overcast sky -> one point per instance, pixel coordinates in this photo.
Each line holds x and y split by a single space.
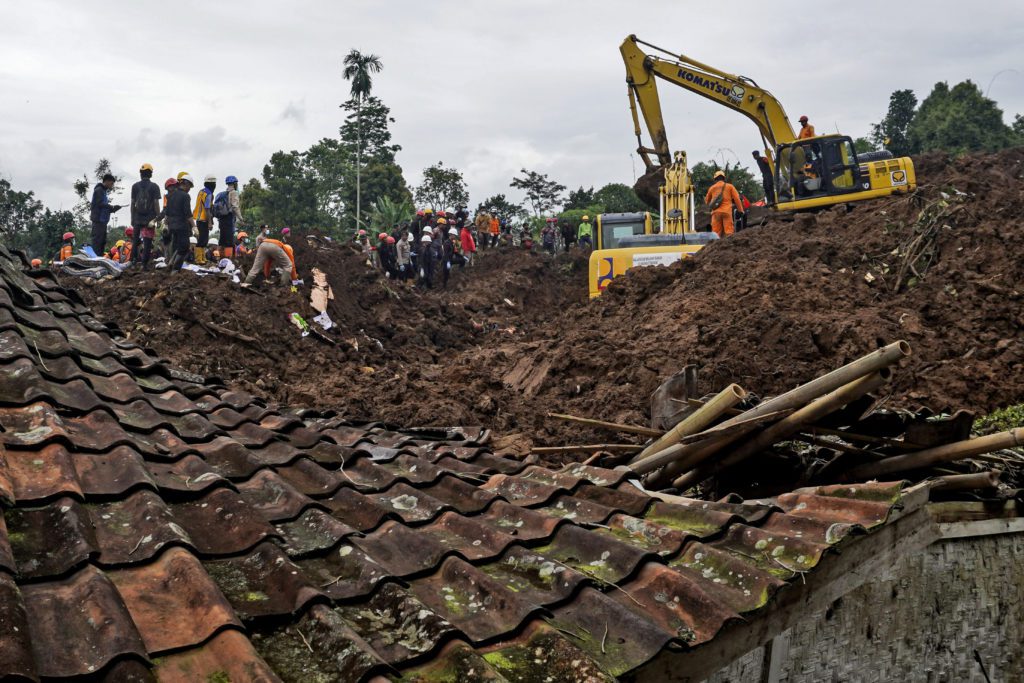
488 86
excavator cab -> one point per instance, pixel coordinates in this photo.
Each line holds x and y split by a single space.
815 168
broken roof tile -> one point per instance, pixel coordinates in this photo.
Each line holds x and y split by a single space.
79 624
191 474
395 624
543 653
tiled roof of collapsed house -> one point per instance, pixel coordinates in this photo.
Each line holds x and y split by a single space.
159 524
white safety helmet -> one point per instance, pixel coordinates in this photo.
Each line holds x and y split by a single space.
425 238
210 179
454 232
187 177
193 241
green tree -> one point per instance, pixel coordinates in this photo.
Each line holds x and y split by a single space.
702 177
618 198
542 193
579 199
388 213
442 188
958 119
862 144
1018 128
500 205
891 132
358 71
253 198
291 192
26 224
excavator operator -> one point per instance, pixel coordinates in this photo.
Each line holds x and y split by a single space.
806 129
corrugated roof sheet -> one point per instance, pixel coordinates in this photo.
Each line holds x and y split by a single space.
156 524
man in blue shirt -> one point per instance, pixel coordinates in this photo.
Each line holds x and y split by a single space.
100 209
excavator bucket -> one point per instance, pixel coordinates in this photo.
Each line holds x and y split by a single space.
646 187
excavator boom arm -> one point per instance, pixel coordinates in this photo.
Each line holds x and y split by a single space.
735 92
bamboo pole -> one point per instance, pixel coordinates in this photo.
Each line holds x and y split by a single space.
939 454
587 448
611 426
783 429
698 420
702 440
967 482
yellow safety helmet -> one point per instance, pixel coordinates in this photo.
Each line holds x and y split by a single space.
428 211
183 174
586 218
146 167
719 174
119 243
442 221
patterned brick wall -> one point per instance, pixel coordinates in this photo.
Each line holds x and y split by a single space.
922 622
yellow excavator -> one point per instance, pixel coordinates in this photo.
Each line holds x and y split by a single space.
807 174
630 240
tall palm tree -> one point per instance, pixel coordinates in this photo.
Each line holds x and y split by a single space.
359 70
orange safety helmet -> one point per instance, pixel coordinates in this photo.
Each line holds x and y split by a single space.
242 235
36 262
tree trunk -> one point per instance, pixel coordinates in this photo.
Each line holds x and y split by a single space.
359 161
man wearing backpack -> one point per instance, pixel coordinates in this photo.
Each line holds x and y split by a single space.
722 198
179 222
145 208
100 209
228 211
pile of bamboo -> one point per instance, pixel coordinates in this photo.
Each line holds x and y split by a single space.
716 437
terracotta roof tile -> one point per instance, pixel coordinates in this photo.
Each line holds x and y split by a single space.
229 656
79 624
263 583
16 658
221 523
173 601
155 521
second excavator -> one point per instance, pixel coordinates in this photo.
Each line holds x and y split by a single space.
808 174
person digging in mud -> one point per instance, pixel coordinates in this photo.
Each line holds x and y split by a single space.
271 253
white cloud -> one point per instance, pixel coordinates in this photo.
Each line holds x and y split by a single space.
488 87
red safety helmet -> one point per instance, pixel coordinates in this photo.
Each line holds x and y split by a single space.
129 231
442 214
382 236
390 240
68 236
170 182
420 212
803 119
286 231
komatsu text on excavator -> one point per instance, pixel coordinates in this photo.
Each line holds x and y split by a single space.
809 173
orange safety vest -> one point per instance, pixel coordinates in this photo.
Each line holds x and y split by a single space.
66 252
495 226
806 131
291 255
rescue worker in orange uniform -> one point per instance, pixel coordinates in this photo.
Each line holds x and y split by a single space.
806 129
495 230
726 197
67 249
271 254
241 243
